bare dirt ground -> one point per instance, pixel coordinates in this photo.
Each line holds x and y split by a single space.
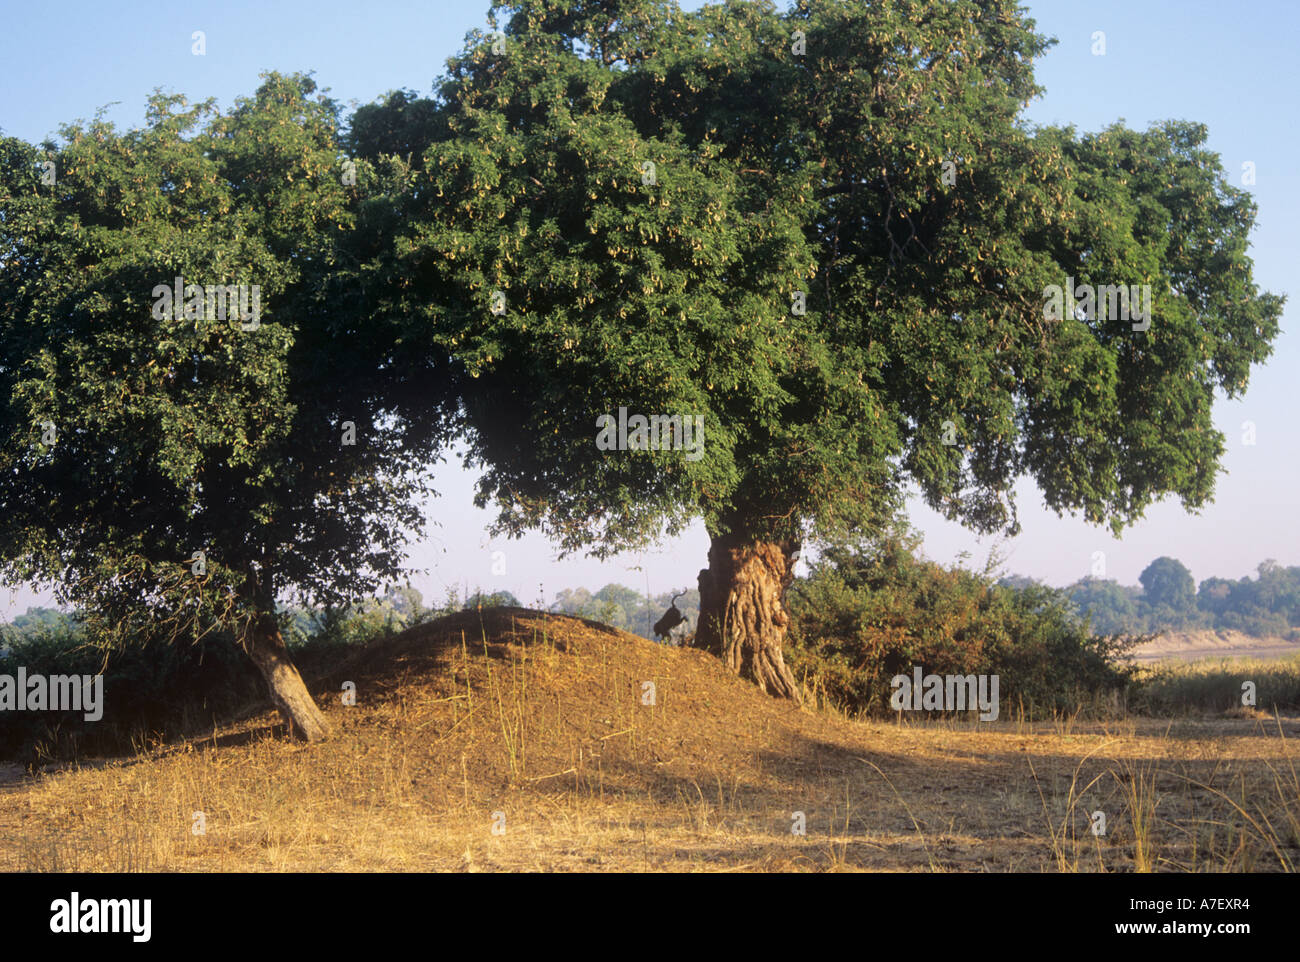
514 741
1194 645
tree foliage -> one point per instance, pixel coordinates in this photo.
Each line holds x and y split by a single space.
923 354
1168 587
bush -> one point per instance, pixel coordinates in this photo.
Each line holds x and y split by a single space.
870 610
147 689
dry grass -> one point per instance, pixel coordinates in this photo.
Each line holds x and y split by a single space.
541 719
1214 685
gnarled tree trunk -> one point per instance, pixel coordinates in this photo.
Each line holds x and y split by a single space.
267 649
742 618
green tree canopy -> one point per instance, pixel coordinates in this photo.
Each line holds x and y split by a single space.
1168 587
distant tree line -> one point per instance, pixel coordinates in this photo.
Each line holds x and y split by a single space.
1168 599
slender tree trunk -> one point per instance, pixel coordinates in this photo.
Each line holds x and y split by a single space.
742 618
267 649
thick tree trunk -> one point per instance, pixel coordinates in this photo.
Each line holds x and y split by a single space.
267 649
742 619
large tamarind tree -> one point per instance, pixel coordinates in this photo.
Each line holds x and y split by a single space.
828 233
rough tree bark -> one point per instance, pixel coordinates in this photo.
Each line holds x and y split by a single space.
742 618
267 649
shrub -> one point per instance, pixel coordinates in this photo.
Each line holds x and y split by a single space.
147 689
870 610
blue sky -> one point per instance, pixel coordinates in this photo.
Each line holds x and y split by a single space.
1230 67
